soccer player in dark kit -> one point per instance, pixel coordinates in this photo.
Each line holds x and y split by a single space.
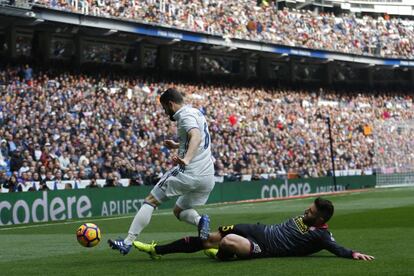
299 236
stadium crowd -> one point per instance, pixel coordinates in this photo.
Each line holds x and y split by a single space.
74 127
244 19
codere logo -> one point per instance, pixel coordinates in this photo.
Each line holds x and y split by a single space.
285 190
41 210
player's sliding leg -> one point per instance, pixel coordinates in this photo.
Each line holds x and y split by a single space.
185 245
229 247
233 245
191 216
141 220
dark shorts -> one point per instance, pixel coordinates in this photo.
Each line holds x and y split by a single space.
253 232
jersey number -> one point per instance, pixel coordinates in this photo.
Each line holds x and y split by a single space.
207 137
227 228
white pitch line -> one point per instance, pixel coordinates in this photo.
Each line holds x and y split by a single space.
74 221
160 213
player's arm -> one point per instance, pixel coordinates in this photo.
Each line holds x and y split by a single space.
171 144
194 141
332 246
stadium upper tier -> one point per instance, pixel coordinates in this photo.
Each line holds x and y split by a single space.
69 126
243 19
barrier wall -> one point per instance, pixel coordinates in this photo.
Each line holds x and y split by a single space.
27 207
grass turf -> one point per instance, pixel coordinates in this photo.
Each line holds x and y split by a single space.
379 223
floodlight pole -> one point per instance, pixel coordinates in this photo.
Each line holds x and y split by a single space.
328 121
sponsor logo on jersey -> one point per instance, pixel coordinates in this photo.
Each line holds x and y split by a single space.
300 225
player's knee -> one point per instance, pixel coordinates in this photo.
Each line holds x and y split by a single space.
152 201
228 242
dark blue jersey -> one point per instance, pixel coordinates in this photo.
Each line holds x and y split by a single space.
294 238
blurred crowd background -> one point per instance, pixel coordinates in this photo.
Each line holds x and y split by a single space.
382 36
66 126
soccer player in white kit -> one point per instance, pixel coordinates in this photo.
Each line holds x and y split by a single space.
192 179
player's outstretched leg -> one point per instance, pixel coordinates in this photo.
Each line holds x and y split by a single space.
140 221
185 245
120 245
204 227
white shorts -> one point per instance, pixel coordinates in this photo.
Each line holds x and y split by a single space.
192 190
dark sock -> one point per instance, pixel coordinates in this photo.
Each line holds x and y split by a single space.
225 255
186 245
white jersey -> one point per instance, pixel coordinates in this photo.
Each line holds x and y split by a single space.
188 118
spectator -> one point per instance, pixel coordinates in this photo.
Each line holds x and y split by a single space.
4 149
12 185
3 179
64 161
24 168
43 186
50 176
110 181
16 160
93 184
28 74
244 19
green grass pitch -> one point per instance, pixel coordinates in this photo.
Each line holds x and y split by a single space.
379 222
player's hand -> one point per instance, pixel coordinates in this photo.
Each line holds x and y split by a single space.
180 161
360 256
171 144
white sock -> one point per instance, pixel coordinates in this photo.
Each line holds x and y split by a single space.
141 220
191 216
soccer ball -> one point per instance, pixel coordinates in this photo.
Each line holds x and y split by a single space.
88 235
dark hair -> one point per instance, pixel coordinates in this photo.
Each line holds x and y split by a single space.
171 95
325 208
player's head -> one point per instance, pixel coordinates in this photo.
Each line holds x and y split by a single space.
171 100
319 212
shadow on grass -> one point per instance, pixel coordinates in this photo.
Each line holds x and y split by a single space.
175 260
204 260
